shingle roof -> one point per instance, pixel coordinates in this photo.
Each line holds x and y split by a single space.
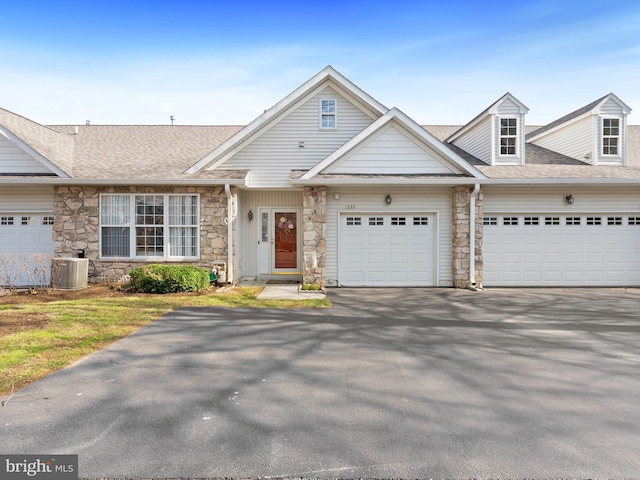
143 152
50 144
566 118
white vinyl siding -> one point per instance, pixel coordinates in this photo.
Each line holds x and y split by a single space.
248 233
15 160
26 198
574 140
477 142
424 201
276 152
392 150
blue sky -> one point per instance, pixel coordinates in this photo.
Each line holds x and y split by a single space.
222 62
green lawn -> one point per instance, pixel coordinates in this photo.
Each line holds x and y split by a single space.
74 328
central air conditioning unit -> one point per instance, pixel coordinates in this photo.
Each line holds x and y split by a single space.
69 273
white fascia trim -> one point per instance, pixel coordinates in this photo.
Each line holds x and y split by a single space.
384 181
482 116
24 146
561 181
406 122
559 127
45 180
226 149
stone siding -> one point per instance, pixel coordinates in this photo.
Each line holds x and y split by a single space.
461 237
314 248
76 227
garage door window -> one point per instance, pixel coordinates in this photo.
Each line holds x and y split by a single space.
151 226
376 221
398 220
573 221
6 220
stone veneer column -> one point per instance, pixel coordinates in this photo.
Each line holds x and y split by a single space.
315 235
76 226
460 236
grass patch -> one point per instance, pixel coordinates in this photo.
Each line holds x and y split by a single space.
68 330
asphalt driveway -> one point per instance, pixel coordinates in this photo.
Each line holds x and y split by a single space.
420 383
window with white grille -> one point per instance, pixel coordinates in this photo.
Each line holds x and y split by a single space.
354 221
47 220
508 136
572 220
634 220
398 220
421 220
490 221
594 221
614 220
610 136
26 221
552 220
376 221
531 220
6 220
510 221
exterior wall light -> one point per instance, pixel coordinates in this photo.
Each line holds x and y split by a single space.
250 215
388 199
569 199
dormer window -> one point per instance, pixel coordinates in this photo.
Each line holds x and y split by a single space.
508 136
327 114
610 136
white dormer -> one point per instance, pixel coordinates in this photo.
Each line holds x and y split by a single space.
595 133
496 136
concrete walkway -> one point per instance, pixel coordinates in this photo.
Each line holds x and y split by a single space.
289 292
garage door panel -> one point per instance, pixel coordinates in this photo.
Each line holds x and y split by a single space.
26 243
395 251
583 249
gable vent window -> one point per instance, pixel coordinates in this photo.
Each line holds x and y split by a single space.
421 220
594 221
552 220
510 221
572 221
610 136
353 221
508 136
614 221
398 220
328 114
490 221
531 221
376 221
634 220
6 220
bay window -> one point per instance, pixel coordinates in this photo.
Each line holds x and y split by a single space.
149 226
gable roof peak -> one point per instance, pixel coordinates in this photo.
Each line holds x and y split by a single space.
591 108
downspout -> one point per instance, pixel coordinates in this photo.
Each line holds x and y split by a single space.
227 190
472 235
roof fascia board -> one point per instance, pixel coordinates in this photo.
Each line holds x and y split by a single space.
467 181
110 181
226 149
560 126
491 110
24 146
406 122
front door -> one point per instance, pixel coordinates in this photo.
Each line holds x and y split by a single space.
278 241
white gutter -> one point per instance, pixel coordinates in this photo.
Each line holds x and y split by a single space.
472 235
227 190
53 180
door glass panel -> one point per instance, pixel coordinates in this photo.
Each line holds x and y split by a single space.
264 227
286 240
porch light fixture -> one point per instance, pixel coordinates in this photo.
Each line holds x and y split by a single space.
569 199
388 199
250 215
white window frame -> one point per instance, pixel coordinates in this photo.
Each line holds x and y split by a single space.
617 137
130 223
516 149
328 114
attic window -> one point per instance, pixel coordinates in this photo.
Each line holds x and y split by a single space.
327 113
508 135
610 136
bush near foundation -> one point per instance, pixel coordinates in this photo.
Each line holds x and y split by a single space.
156 278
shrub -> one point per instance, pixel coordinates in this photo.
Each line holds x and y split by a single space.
309 287
156 278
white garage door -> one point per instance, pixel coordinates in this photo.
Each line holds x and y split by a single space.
26 249
387 250
561 250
